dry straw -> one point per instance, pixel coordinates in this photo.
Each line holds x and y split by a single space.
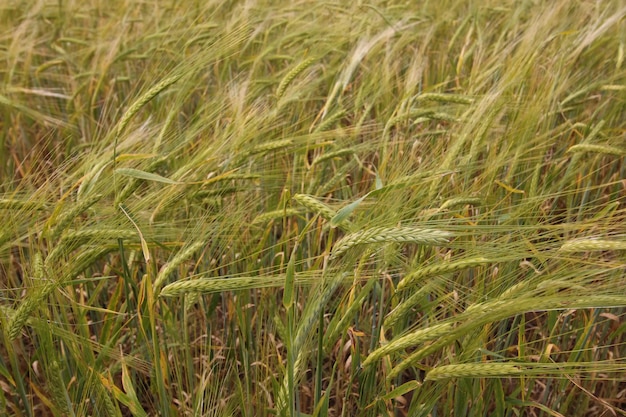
391 234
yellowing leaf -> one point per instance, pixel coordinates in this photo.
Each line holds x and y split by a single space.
143 175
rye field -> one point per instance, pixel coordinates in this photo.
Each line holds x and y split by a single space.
312 208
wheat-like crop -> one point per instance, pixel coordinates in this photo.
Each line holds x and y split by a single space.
64 220
591 244
280 217
72 239
275 214
329 121
606 149
473 370
102 393
263 148
291 75
391 234
57 387
405 306
144 99
132 183
11 204
482 313
339 176
445 98
34 300
460 201
98 233
314 205
39 275
414 277
206 285
23 312
334 154
409 340
407 115
308 320
171 266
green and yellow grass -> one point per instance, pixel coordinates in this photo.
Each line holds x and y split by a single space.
312 208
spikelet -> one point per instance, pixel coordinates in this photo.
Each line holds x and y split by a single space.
315 206
169 267
10 204
339 176
445 98
275 214
74 238
329 121
57 388
144 99
410 340
460 201
404 307
591 244
63 221
261 149
606 149
334 154
206 285
442 268
473 370
25 310
291 75
33 300
390 234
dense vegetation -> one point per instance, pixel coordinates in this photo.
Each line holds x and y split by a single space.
312 208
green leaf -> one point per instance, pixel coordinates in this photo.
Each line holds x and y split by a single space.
379 182
132 402
143 175
401 390
290 280
345 212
